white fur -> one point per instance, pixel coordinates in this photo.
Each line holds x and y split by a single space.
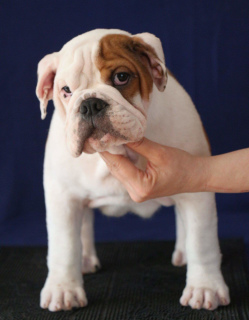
73 186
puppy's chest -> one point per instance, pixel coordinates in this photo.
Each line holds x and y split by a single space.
95 180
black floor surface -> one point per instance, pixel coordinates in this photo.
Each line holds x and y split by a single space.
137 282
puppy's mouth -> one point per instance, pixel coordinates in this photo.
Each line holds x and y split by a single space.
91 129
94 139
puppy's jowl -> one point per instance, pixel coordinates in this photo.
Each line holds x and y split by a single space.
110 88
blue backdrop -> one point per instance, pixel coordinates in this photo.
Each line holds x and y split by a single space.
206 46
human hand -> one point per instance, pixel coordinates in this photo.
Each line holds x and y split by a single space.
168 171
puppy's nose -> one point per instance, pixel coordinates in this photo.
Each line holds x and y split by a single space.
91 107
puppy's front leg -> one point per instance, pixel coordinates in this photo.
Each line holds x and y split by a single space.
205 287
63 288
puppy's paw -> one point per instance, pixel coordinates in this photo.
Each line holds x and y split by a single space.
205 298
90 264
57 296
179 258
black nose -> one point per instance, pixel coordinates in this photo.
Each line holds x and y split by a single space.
91 107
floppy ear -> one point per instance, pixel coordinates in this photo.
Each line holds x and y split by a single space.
151 51
46 72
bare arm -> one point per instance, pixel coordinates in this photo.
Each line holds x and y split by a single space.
228 173
170 171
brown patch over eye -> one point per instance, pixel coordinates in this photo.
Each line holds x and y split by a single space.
117 54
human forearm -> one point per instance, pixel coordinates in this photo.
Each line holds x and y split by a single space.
227 173
170 171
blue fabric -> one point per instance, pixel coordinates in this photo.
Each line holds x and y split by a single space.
206 47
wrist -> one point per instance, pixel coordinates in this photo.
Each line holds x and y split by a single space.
201 172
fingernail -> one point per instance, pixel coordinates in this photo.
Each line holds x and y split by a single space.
104 158
102 155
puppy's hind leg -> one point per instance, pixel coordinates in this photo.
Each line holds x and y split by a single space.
90 261
179 257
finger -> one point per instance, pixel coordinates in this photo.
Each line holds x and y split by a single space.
134 180
121 167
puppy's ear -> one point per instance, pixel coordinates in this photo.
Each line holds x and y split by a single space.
151 53
47 68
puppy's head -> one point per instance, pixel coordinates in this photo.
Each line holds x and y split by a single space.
101 84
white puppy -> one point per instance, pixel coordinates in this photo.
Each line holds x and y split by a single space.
108 89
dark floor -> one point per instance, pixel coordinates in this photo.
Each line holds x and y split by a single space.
137 282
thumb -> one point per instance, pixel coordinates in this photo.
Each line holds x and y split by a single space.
147 148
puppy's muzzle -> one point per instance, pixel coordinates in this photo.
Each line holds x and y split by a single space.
91 108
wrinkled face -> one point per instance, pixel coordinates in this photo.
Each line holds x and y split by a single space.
102 88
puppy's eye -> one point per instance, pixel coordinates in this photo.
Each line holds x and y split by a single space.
67 91
121 78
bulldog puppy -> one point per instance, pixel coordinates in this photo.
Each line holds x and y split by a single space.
109 88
